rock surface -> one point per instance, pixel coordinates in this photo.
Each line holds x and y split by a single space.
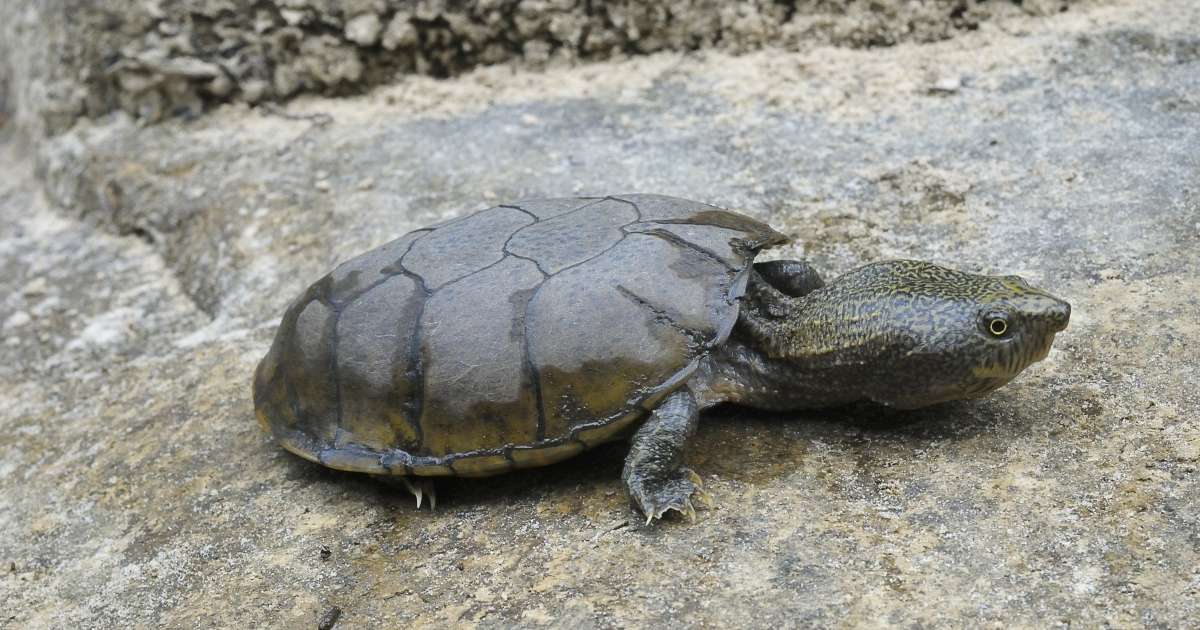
144 284
162 58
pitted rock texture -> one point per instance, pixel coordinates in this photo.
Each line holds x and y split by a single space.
164 58
139 293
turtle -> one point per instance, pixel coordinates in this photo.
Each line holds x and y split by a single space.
523 334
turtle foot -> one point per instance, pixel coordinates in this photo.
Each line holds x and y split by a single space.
656 497
422 487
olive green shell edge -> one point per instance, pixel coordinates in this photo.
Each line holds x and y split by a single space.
359 458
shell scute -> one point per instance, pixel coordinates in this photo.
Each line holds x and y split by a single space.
514 337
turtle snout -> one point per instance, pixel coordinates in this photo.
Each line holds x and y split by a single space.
1058 314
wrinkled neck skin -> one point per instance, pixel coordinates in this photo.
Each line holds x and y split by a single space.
905 334
785 353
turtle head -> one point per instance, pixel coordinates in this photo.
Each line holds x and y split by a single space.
921 334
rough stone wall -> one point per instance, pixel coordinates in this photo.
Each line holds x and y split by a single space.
159 58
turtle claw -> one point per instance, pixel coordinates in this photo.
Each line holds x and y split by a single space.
656 497
420 489
699 493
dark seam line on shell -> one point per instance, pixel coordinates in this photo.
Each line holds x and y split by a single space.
610 420
511 236
461 278
537 220
338 430
592 257
531 215
535 375
337 377
538 378
636 210
505 451
293 400
747 243
503 254
677 240
535 263
557 216
386 276
535 217
661 314
425 461
414 370
579 209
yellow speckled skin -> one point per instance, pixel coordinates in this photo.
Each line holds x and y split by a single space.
903 333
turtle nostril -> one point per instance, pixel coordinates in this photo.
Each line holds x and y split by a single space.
1059 315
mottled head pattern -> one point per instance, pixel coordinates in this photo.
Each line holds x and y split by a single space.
908 333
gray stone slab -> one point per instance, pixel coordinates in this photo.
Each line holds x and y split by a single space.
139 491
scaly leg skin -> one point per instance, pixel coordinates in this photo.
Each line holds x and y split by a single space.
422 487
653 475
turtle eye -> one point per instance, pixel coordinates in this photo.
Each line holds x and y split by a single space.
996 323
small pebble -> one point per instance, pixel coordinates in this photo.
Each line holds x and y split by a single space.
946 85
37 286
330 618
16 320
364 29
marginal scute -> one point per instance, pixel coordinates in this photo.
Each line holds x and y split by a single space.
349 279
478 392
464 247
532 456
432 470
374 336
610 431
352 459
481 465
572 238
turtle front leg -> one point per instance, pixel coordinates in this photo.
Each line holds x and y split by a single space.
654 475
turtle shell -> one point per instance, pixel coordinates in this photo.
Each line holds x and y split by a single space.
513 337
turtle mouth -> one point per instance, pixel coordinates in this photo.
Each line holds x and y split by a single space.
1007 366
984 386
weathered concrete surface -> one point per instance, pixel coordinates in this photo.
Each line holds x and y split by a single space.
135 488
163 58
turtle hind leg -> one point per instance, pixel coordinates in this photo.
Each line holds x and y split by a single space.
421 487
654 476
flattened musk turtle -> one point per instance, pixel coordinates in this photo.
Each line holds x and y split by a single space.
523 334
